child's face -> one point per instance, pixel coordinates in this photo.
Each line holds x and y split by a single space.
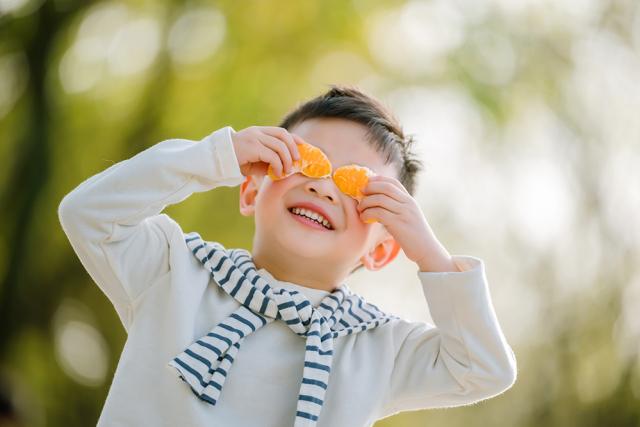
281 234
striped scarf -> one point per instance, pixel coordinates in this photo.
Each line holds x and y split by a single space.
205 363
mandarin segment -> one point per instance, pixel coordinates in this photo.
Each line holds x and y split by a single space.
296 166
316 164
351 180
317 170
312 163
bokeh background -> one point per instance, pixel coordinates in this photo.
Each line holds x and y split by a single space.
527 116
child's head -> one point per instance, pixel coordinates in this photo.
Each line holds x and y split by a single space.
349 126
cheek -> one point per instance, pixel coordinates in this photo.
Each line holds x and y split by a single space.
356 225
271 198
273 190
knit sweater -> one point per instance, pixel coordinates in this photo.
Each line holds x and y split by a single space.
138 257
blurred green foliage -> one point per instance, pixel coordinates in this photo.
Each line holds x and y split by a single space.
86 84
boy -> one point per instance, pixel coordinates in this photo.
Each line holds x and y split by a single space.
211 337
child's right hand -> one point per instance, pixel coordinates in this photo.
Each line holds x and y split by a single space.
257 147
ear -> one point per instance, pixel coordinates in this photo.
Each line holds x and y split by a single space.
248 194
382 254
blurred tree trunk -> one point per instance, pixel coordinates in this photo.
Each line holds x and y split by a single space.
20 304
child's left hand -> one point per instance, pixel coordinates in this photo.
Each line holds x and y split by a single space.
387 201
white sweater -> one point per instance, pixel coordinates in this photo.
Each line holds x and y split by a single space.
166 300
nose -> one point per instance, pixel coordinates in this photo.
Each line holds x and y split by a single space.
323 188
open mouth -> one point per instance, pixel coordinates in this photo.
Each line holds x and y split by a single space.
311 222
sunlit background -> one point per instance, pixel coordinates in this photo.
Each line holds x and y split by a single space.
527 116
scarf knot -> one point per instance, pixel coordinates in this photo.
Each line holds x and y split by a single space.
205 363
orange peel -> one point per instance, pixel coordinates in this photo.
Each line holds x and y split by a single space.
351 180
312 163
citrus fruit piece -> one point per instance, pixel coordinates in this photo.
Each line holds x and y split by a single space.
312 163
351 179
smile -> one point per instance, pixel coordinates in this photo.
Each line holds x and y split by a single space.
308 222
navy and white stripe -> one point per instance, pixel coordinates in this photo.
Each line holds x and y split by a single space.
205 363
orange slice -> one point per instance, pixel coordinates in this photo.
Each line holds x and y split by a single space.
312 163
351 179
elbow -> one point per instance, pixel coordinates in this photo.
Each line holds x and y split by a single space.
64 209
494 378
506 380
68 214
506 376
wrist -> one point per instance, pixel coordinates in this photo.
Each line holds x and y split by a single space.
437 263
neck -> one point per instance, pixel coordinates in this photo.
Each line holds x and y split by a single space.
305 273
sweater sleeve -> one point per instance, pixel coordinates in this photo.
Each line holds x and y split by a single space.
463 358
113 219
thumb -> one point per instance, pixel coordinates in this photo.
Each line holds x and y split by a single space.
258 168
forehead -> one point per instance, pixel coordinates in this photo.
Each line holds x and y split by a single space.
344 142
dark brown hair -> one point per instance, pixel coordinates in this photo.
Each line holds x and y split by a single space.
384 131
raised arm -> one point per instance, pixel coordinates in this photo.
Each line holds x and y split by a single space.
461 360
113 220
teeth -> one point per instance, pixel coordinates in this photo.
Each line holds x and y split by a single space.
313 215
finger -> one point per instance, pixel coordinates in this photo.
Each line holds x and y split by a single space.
267 155
389 179
298 139
258 168
284 135
281 148
384 187
376 214
380 200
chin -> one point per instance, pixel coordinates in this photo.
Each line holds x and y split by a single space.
300 245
